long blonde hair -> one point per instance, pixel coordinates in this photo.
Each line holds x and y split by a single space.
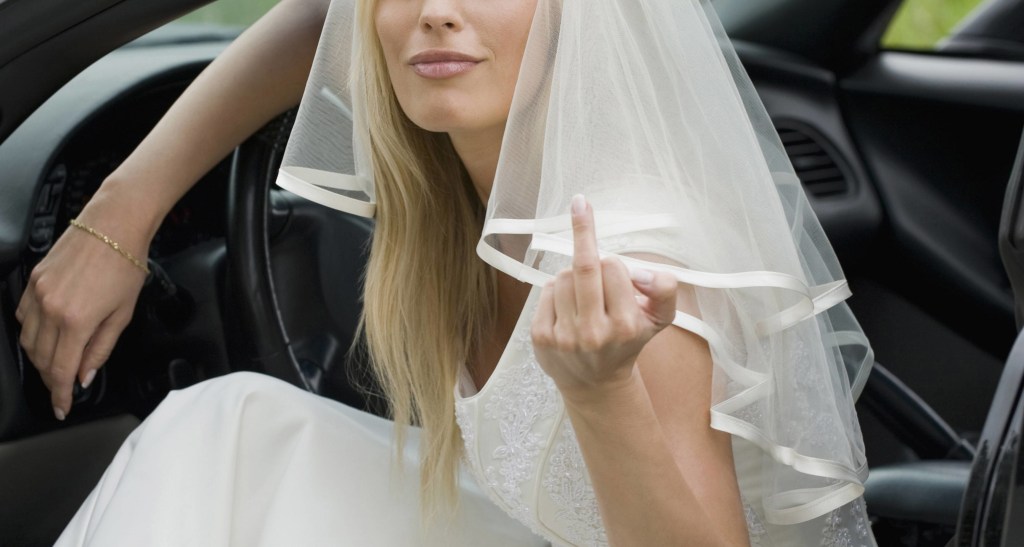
427 298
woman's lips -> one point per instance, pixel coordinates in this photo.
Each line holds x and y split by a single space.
437 64
443 69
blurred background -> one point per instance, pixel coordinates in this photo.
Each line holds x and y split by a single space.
918 25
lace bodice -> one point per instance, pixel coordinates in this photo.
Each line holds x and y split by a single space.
522 450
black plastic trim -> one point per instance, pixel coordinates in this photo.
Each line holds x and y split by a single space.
985 82
65 41
27 154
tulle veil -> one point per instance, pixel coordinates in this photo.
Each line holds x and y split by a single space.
644 107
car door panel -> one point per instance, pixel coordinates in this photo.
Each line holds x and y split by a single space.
938 136
801 96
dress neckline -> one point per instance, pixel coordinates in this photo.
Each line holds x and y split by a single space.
465 383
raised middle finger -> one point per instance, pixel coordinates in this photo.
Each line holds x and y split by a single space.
586 263
565 300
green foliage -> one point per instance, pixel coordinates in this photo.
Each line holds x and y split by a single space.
230 12
920 24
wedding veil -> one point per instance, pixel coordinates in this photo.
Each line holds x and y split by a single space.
643 107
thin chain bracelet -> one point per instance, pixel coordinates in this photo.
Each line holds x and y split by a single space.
113 244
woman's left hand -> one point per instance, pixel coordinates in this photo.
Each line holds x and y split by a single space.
590 323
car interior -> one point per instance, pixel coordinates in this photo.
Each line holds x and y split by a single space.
912 160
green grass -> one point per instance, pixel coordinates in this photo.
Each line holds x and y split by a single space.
918 24
230 12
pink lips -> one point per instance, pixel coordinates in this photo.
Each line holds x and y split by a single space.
440 63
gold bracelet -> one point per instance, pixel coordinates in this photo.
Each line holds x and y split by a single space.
113 244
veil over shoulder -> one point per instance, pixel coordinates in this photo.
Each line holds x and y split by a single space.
644 107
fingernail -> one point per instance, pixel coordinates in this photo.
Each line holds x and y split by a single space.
579 205
643 277
58 413
89 376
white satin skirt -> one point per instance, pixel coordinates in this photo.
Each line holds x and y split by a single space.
249 460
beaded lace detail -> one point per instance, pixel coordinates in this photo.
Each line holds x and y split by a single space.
520 399
521 448
755 526
847 526
568 484
468 436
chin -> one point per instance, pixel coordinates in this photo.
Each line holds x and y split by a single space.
445 121
440 125
448 113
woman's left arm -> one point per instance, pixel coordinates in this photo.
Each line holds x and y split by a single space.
638 396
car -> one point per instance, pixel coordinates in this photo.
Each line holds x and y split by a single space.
905 155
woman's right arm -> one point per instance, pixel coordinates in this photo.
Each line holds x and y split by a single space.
81 296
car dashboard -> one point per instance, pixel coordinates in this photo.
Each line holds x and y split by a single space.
53 164
95 150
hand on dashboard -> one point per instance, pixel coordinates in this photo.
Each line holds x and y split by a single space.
77 301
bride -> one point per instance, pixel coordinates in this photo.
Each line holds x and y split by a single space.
595 288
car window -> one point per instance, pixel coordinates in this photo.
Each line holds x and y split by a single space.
918 25
921 25
240 13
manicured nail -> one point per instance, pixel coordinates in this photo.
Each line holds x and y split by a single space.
579 205
643 277
89 376
58 413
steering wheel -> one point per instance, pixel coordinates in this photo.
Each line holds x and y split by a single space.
259 220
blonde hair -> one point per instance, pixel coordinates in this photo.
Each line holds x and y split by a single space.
427 297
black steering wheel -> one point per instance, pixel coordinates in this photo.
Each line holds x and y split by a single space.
260 310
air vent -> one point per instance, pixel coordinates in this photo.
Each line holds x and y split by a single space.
815 161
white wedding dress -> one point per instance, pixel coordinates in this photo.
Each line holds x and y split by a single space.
520 446
250 460
645 108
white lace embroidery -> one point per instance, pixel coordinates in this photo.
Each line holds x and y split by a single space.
755 526
468 436
568 485
470 455
522 396
847 526
513 409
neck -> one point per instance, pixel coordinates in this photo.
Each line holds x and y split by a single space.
479 151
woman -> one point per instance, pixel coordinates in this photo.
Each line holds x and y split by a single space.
613 441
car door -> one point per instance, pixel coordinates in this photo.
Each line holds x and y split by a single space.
904 154
937 133
46 471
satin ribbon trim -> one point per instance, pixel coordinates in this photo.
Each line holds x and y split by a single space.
818 298
313 185
797 506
